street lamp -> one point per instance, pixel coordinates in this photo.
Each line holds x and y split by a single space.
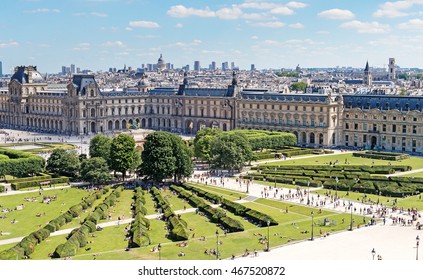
159 247
312 226
336 190
275 176
217 244
417 247
373 253
268 236
351 219
308 192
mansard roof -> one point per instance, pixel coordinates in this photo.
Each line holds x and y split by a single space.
80 81
384 102
282 97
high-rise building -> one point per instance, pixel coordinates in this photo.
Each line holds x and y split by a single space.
232 65
72 69
391 73
78 70
1 69
64 70
213 65
253 67
225 66
196 65
187 67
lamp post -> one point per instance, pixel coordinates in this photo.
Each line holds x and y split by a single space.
373 253
308 192
351 218
159 247
217 244
268 236
336 187
312 226
417 247
275 176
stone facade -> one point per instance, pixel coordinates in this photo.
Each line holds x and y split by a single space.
368 121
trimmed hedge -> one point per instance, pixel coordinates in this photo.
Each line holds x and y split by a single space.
19 163
36 183
78 237
381 155
25 179
178 230
27 245
140 225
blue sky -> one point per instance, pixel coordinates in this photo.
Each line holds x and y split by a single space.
98 34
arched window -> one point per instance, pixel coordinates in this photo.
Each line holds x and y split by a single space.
92 92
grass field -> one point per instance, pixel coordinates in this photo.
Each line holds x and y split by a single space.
414 162
110 243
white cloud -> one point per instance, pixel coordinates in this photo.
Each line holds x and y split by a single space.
128 29
179 25
144 24
97 14
254 37
412 24
296 5
323 32
182 11
123 53
271 24
296 25
285 11
8 44
366 27
187 44
212 52
43 11
393 9
337 14
259 5
117 44
82 47
229 13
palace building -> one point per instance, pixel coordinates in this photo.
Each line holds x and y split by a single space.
371 121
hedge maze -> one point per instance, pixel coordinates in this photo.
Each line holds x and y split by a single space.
358 178
138 232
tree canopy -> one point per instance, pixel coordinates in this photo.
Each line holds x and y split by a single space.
230 151
298 86
203 140
95 170
62 162
122 154
100 146
165 155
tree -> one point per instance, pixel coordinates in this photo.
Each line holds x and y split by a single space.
165 155
122 154
183 162
298 86
62 162
230 151
202 142
100 146
95 170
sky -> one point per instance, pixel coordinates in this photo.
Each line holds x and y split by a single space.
99 34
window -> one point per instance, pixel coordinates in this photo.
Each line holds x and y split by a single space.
296 108
384 127
394 139
304 108
356 126
384 117
394 128
374 127
404 129
312 109
394 118
347 126
364 126
414 119
287 108
364 138
414 129
321 109
346 138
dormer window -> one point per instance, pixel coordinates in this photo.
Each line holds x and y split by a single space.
92 93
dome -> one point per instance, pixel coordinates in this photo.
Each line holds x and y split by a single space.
23 74
160 60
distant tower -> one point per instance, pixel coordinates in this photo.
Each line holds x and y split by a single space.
367 80
1 69
161 65
391 73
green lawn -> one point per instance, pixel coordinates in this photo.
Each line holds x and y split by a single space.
414 162
27 221
231 195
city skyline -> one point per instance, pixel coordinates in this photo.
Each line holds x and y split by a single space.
99 34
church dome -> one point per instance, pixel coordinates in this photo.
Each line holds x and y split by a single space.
24 74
